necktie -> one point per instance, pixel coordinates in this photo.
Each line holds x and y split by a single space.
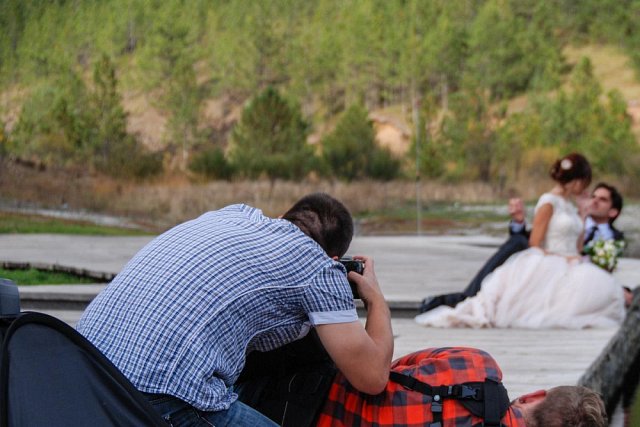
590 233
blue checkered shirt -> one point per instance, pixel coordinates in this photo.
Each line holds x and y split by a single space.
182 314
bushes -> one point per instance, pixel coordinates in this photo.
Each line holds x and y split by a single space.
130 159
212 164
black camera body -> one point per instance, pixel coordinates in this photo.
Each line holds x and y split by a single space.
356 265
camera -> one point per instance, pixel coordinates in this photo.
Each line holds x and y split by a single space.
356 265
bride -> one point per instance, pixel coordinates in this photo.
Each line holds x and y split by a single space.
547 285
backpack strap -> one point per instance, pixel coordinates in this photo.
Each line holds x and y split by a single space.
487 400
492 410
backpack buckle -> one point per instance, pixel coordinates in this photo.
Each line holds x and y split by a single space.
470 392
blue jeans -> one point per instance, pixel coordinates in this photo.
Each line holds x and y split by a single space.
178 413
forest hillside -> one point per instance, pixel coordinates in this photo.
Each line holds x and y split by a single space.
486 91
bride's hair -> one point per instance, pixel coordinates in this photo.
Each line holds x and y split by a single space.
570 167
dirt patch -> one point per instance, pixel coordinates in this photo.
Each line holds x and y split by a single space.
145 121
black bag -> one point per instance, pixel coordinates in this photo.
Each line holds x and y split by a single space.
50 375
290 384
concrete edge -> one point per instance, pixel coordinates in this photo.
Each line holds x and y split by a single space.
617 365
78 297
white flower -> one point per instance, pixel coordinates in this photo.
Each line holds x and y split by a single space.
566 164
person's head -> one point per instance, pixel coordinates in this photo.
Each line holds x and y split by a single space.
573 172
606 203
325 220
562 406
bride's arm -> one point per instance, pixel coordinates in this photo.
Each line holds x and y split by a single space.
540 224
580 242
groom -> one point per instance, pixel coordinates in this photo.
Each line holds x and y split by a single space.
603 208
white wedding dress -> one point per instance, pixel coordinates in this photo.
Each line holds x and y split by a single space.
534 290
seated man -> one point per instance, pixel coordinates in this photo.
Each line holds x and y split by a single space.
603 208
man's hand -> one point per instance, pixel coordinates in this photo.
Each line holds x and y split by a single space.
363 355
367 282
516 210
584 202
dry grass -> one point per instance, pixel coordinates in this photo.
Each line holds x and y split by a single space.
382 207
174 203
174 198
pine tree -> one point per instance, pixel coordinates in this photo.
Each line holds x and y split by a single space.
115 151
270 139
110 117
351 152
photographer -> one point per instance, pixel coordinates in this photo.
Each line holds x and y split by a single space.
181 317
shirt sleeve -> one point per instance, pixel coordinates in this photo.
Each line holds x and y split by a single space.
516 227
329 298
546 198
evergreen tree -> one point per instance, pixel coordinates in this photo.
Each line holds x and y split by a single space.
575 120
445 48
270 139
512 47
55 125
183 100
428 152
110 117
468 133
115 151
579 121
351 152
170 55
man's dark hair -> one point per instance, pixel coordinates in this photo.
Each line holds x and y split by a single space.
324 219
616 198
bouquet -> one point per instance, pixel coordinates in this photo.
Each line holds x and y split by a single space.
605 253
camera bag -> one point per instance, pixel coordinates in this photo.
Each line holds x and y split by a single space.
289 384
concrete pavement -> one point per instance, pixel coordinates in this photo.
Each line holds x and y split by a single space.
408 267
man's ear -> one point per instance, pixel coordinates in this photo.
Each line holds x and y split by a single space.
613 213
533 397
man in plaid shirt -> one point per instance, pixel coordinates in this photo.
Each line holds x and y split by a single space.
399 407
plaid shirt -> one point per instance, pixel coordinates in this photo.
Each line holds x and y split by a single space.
398 407
182 314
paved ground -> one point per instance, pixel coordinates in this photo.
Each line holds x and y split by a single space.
408 268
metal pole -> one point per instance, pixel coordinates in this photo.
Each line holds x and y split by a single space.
416 121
